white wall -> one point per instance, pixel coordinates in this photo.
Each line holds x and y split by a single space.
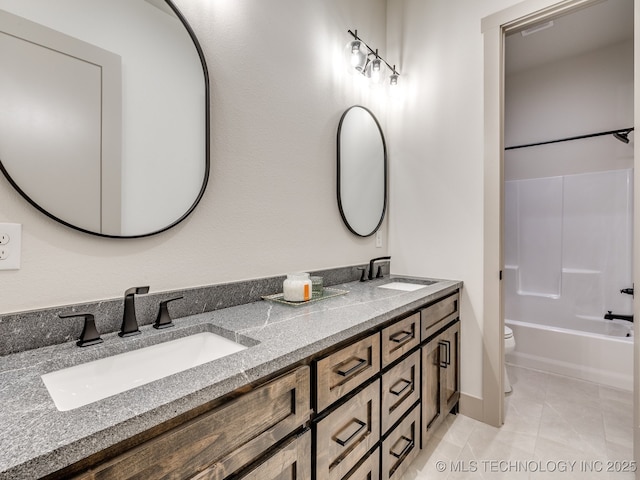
436 137
278 88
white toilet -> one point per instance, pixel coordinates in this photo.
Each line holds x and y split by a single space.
509 346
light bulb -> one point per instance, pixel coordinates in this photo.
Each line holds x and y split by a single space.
355 57
393 79
375 70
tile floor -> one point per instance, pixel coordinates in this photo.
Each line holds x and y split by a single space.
555 428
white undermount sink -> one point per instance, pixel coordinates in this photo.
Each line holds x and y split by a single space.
407 287
89 382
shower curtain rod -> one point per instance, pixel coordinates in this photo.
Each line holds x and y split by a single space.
623 132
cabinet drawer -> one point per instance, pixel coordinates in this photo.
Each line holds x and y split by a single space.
400 389
223 440
346 369
345 435
290 462
368 470
399 338
401 447
439 314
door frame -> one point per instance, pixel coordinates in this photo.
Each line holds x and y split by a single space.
494 29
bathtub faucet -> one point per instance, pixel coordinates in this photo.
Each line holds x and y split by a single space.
614 316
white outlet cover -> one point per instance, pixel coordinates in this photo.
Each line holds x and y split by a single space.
11 251
379 239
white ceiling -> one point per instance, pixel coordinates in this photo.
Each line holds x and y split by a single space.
603 24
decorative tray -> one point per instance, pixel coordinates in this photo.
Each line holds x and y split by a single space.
326 293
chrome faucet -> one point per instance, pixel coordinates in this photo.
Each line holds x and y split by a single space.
129 322
374 260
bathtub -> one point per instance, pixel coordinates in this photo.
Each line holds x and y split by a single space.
603 355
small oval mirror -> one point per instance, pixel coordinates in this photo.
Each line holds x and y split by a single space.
362 171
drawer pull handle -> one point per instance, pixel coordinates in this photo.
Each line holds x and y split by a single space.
407 448
401 337
448 351
446 358
407 384
359 363
360 425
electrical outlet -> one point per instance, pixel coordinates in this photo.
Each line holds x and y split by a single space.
10 246
378 239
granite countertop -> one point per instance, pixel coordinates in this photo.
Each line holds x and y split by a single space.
36 439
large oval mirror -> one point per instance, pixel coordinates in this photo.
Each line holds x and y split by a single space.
104 122
362 171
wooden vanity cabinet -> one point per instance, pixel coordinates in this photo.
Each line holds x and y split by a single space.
379 398
218 443
440 378
377 401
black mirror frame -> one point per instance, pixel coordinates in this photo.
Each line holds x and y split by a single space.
384 147
205 181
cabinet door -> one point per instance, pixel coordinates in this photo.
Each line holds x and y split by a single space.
290 462
345 435
432 413
451 366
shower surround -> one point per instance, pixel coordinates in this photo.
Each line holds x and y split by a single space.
568 253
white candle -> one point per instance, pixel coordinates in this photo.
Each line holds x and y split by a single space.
297 287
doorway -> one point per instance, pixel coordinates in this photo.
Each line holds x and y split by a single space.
495 28
568 194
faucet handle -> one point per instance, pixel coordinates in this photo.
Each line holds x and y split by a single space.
363 275
164 319
89 335
136 291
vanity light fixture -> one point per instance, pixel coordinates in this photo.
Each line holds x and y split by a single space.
368 62
356 55
393 79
